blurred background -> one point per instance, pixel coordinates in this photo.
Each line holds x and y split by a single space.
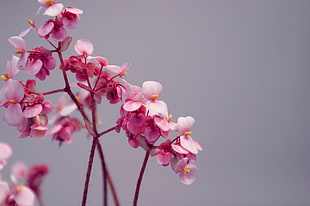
241 68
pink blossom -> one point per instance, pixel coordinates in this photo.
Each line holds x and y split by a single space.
18 170
20 44
24 196
35 178
151 90
151 131
134 98
52 7
11 67
63 108
64 129
40 62
69 16
185 124
187 171
53 27
164 154
82 70
5 153
108 86
12 94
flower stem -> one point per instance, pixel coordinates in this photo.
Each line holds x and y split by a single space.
89 168
107 176
146 157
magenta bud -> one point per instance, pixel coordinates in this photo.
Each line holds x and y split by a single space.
64 45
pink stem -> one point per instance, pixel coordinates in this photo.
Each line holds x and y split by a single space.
89 168
146 157
106 173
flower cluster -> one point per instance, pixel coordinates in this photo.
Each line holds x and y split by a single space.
25 185
143 116
145 119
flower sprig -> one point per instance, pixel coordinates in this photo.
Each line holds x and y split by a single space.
144 117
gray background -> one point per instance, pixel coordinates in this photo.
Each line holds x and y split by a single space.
241 68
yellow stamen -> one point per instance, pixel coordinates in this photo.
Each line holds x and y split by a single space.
49 2
19 188
30 22
188 133
186 170
57 107
124 73
12 101
5 77
19 51
169 117
154 96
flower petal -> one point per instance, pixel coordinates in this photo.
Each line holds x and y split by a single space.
83 47
33 68
190 174
185 124
18 42
33 110
5 151
13 115
151 89
130 106
46 28
38 131
24 196
14 90
54 10
74 10
188 143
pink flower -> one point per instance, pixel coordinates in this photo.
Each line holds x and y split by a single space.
53 27
134 98
69 16
82 70
23 196
11 67
188 171
35 178
108 86
12 94
164 155
52 7
5 153
40 62
19 43
184 126
64 129
151 90
18 170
